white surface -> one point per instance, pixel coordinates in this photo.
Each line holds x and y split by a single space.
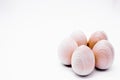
31 30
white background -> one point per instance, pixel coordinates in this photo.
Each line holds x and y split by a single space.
31 30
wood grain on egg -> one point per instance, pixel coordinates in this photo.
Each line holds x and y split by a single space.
79 37
83 61
95 37
104 54
66 49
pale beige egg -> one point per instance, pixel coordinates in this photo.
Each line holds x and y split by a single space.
104 54
79 37
83 60
66 49
95 37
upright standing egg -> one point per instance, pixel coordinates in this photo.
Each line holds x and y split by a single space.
104 54
95 37
79 37
83 61
66 49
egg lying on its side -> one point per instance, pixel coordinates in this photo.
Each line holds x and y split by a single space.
79 37
66 49
95 37
83 61
104 54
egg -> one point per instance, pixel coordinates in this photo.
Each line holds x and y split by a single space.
79 37
95 37
83 60
104 54
66 49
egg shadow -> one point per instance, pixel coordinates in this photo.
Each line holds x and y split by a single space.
101 70
86 76
68 66
95 72
87 44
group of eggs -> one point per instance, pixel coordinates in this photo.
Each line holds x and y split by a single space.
85 55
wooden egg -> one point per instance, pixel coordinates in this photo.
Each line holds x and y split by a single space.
104 54
66 49
83 60
79 37
95 37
